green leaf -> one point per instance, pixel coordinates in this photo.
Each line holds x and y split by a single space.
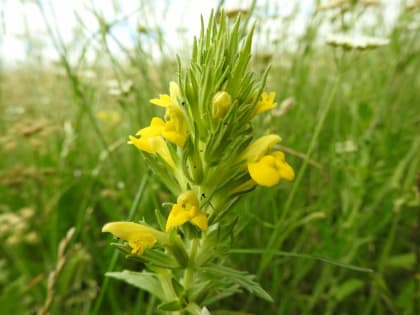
406 261
200 290
258 251
225 312
243 279
10 294
175 305
178 287
160 218
159 258
178 250
154 257
347 288
144 280
194 309
223 291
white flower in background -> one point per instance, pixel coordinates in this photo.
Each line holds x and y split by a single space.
77 173
413 25
346 4
118 88
347 146
88 75
15 227
413 5
333 5
69 139
356 41
204 311
14 110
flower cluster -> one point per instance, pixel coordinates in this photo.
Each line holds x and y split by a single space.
205 151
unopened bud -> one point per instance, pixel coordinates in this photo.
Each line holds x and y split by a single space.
220 104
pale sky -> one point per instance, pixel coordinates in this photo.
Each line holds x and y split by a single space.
18 18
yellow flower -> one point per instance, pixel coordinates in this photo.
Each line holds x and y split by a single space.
260 147
175 129
220 104
186 209
138 236
264 168
166 100
270 169
265 103
149 140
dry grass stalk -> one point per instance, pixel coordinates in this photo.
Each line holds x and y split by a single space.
53 276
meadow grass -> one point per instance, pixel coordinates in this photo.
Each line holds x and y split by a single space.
343 238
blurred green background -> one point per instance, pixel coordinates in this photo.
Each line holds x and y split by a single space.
348 112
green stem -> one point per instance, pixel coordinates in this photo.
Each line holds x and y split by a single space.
189 272
166 283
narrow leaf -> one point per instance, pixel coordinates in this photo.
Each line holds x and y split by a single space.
143 280
171 306
241 278
257 251
347 288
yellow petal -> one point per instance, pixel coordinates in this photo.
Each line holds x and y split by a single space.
270 169
266 103
164 100
154 129
138 236
174 92
186 209
260 147
178 216
162 149
188 200
151 141
138 246
279 155
126 230
142 143
173 136
153 145
285 170
201 221
176 116
176 128
264 171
